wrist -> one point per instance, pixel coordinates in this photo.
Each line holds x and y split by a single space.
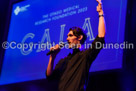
52 57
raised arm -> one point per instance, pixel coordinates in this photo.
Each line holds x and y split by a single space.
51 60
101 26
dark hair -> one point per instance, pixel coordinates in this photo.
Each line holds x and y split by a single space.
77 32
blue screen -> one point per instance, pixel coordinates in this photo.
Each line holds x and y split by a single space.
36 22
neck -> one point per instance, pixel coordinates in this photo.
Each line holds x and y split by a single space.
75 50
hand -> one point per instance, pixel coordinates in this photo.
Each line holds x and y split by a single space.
56 50
99 7
99 1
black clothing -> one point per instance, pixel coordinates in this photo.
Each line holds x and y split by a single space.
73 70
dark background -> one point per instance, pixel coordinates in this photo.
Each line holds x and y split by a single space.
112 80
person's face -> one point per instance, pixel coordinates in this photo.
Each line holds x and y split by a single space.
72 39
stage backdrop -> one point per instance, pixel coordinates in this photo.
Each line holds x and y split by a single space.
36 24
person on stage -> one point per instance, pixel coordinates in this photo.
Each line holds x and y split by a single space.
72 71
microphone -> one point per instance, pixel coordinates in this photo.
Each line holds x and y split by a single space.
52 51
